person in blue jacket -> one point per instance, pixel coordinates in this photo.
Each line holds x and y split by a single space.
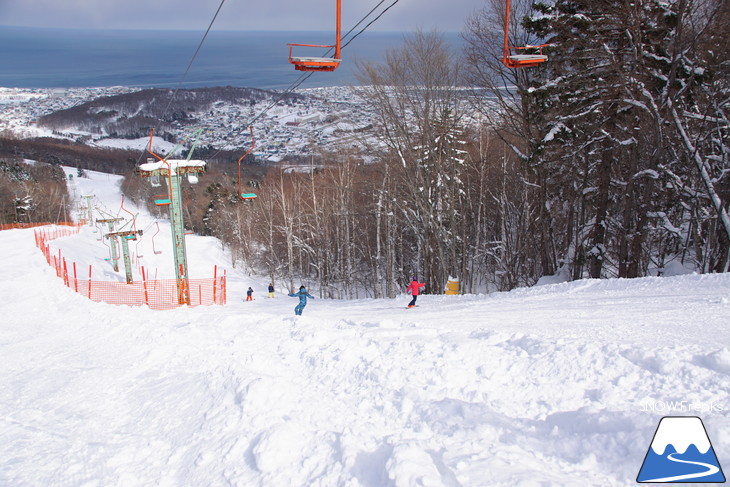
302 295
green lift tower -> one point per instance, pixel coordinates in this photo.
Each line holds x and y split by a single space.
172 171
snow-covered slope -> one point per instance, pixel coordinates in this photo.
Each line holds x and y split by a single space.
558 385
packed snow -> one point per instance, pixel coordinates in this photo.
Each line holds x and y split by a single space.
557 385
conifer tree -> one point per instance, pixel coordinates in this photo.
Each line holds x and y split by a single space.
609 97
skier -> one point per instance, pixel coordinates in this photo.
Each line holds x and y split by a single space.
302 295
249 294
413 289
271 290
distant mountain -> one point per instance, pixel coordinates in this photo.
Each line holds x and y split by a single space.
131 115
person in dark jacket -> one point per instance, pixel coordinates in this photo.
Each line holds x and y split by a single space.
302 295
413 289
271 290
249 294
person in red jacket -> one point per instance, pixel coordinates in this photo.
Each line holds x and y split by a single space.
413 289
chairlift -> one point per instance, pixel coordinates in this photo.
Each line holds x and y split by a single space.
246 196
136 250
116 247
527 60
154 251
311 63
104 237
160 199
134 219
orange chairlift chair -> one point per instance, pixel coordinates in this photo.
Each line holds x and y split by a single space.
310 63
154 250
245 196
160 199
519 60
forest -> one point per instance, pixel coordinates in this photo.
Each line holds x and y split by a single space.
611 159
32 193
37 192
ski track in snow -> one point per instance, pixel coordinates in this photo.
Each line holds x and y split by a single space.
544 386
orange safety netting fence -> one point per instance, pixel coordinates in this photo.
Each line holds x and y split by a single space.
13 226
157 294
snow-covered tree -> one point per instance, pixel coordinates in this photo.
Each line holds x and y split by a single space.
613 138
419 114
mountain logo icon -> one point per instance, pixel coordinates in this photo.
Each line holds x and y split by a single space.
680 452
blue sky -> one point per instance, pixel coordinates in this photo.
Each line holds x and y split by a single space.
406 15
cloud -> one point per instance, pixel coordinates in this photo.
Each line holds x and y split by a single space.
406 15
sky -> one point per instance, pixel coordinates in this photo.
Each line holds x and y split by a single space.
406 15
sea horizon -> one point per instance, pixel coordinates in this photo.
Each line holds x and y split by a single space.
58 57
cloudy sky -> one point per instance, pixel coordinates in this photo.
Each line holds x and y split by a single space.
406 15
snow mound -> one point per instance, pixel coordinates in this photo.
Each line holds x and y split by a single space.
718 361
282 446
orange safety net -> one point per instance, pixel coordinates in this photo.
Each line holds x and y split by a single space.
157 294
13 226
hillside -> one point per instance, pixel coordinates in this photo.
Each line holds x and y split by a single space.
285 125
130 115
558 385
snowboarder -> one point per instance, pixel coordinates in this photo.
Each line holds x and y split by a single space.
271 290
413 289
302 295
249 294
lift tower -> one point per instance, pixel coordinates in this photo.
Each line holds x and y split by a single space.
125 237
110 222
172 171
90 216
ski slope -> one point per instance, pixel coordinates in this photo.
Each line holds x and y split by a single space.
557 385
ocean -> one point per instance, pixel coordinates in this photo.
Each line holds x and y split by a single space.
62 58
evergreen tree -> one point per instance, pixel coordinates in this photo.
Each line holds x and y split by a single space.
607 93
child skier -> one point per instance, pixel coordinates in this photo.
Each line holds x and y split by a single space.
271 290
413 289
302 295
249 294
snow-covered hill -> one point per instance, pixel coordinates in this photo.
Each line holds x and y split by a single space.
558 385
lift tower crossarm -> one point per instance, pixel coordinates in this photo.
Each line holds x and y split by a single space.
125 237
110 223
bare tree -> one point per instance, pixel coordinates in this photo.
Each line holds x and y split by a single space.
419 109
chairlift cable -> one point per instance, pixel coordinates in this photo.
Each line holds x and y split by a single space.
370 23
149 226
360 22
305 77
291 88
192 60
190 64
